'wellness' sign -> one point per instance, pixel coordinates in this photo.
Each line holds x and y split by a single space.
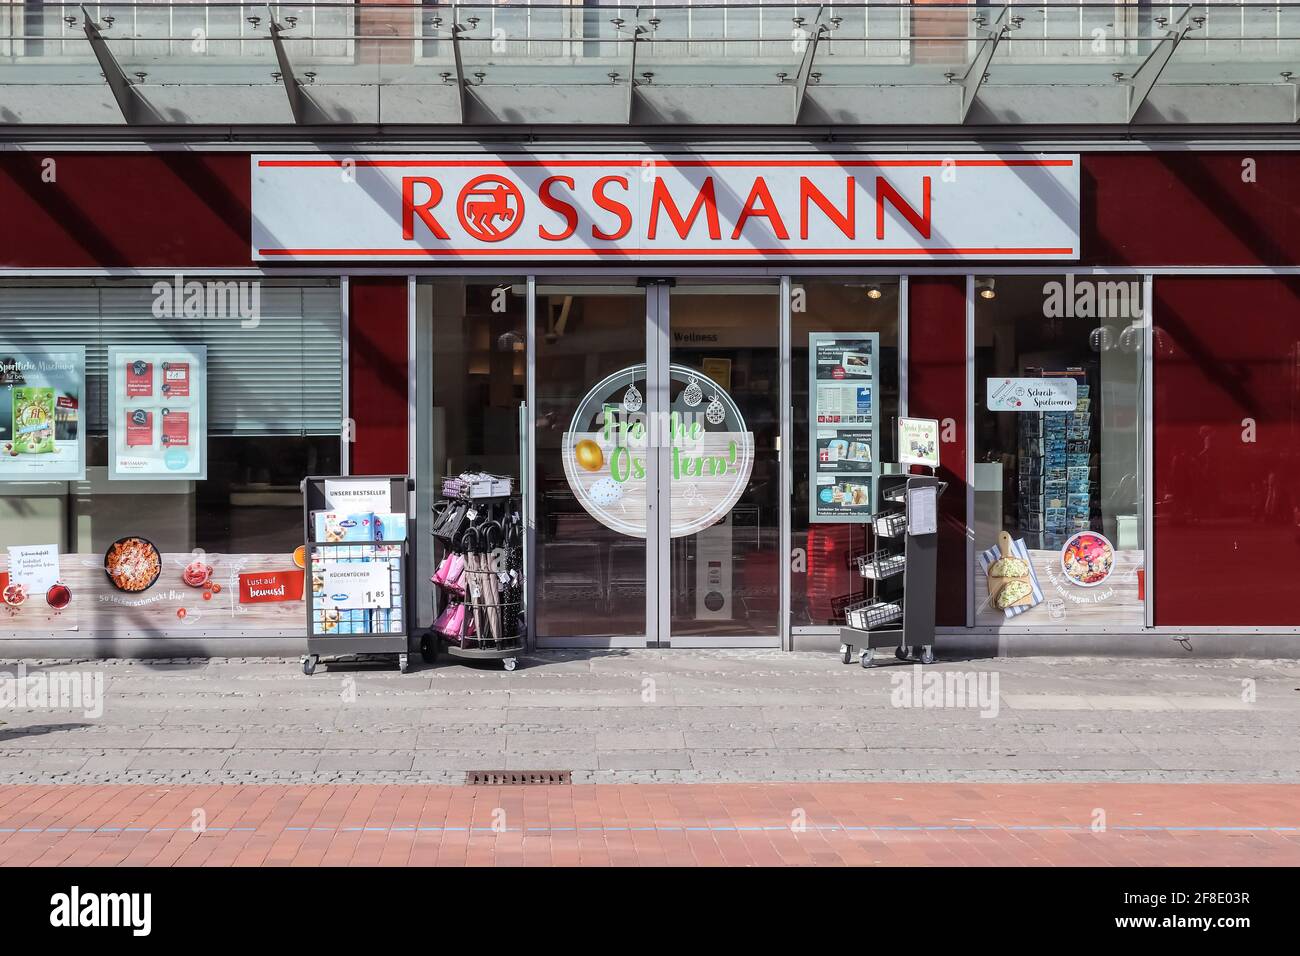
620 207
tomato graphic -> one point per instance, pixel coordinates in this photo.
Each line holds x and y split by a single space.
197 574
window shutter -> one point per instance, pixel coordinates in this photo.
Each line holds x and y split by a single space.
282 375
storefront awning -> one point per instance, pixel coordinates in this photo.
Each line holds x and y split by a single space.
619 64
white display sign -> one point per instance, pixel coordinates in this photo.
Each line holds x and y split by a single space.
359 495
35 566
1060 394
363 584
42 413
621 207
157 411
918 441
605 451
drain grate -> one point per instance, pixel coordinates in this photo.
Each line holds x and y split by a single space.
516 778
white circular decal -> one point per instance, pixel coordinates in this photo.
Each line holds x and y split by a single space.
710 454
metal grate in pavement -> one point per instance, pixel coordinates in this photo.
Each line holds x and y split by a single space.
517 778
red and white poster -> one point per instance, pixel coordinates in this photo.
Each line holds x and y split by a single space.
139 428
139 379
176 380
629 207
175 427
265 587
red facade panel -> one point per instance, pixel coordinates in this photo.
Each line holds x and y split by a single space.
1227 450
377 366
936 388
124 210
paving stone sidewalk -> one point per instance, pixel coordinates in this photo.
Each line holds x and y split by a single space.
679 716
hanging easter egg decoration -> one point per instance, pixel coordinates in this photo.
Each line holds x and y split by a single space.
715 413
693 394
632 400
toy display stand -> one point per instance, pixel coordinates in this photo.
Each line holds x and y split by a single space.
490 588
898 611
381 630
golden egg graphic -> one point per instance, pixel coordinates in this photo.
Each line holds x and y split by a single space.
588 455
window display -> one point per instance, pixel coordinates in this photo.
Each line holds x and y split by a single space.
844 422
1058 454
215 417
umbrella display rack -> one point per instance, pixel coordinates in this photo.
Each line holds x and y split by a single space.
479 576
369 623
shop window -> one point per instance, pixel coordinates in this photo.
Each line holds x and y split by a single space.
824 575
188 410
1059 452
1227 442
472 348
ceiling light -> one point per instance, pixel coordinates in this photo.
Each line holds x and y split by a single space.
984 288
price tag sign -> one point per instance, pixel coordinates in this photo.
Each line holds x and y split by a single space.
360 585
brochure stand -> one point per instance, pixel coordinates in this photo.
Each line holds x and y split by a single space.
899 609
368 616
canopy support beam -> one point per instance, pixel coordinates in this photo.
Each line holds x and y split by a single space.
819 30
292 88
974 77
462 87
1145 77
134 108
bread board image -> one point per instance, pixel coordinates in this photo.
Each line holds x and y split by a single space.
1009 580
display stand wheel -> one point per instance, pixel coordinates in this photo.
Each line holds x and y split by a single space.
903 654
509 663
403 663
309 662
846 653
927 654
865 657
428 649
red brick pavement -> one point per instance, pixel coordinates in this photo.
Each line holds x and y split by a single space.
653 825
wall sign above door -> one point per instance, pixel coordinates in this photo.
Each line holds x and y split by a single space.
622 207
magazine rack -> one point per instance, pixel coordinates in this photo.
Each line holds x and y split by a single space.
899 607
382 627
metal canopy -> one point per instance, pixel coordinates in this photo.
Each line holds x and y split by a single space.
611 64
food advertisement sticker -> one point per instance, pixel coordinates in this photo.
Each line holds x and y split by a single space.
42 413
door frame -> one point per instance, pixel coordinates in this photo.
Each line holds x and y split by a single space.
658 540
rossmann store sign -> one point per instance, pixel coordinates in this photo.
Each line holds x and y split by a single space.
621 207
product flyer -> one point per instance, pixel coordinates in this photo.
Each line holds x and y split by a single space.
843 425
42 435
157 411
918 442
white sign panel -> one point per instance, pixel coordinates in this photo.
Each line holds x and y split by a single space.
42 413
918 441
364 584
36 566
359 495
1032 394
621 207
157 407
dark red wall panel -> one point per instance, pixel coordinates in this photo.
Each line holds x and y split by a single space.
377 363
1227 450
936 388
1184 208
146 210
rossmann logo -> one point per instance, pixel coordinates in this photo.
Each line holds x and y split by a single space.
554 207
492 208
77 908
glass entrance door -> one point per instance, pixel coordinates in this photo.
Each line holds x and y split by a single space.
656 477
721 477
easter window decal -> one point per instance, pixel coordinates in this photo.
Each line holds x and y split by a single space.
710 457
